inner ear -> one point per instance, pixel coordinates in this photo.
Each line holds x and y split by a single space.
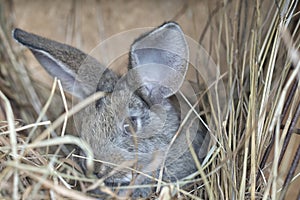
159 61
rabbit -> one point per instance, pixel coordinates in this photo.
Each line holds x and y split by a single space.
139 117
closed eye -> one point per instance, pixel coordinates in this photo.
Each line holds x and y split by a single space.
127 128
131 125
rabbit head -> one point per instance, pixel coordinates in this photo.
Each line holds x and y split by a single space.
138 118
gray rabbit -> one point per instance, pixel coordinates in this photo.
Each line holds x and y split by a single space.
140 115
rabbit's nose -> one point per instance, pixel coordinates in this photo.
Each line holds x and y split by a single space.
101 170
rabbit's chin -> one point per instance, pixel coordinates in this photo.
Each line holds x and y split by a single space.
115 181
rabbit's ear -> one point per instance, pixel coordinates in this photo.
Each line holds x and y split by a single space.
160 59
78 72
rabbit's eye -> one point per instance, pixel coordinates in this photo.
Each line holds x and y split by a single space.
126 128
130 125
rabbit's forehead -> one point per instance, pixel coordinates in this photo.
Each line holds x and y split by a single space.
126 102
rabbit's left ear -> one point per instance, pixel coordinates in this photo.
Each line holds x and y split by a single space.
160 59
78 72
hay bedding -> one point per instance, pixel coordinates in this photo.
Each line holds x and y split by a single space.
256 150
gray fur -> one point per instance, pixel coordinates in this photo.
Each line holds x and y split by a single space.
138 118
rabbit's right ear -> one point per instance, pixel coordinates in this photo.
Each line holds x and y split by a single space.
78 72
160 61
